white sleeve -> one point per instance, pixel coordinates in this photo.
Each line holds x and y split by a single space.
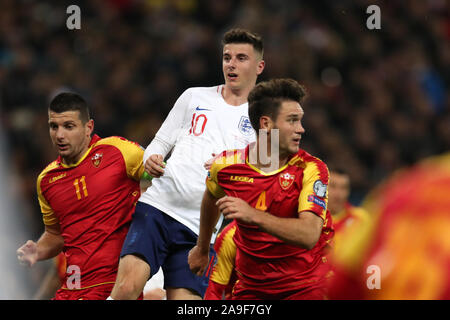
167 135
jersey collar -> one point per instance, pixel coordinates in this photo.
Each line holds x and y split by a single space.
95 138
289 162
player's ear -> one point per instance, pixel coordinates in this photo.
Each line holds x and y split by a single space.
265 123
260 67
89 127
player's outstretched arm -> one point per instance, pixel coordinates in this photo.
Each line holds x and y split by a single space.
209 215
49 245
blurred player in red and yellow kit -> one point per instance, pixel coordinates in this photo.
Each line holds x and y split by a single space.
405 252
346 217
223 275
87 196
61 266
283 226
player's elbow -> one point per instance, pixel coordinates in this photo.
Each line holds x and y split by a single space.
311 242
304 240
126 290
312 231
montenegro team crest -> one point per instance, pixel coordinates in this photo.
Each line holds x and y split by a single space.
96 159
286 180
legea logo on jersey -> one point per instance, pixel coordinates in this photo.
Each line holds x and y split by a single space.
62 175
242 179
245 127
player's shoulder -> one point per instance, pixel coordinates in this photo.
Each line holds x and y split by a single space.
51 166
313 168
128 149
118 141
204 89
214 90
230 157
226 159
304 159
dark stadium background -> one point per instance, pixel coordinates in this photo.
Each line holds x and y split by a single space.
378 99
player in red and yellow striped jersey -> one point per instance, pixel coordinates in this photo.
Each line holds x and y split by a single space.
346 217
87 197
223 276
404 253
61 267
283 226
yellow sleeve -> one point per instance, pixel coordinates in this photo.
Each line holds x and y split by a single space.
314 196
226 255
212 182
361 219
350 250
132 154
48 216
361 214
227 158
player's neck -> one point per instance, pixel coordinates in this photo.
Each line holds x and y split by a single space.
73 159
235 96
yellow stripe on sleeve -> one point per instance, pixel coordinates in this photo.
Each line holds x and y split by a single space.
48 216
313 194
212 182
226 256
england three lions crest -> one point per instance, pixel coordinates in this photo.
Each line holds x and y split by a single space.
245 127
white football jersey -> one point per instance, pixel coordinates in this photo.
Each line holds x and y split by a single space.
200 123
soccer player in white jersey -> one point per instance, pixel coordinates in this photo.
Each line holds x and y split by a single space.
203 121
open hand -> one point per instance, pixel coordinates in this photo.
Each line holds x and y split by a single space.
28 254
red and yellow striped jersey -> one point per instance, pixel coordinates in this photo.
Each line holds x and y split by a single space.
93 201
347 221
404 252
300 185
61 266
223 276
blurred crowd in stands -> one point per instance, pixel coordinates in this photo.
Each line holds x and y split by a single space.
378 99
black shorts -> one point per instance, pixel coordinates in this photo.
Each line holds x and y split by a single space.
164 242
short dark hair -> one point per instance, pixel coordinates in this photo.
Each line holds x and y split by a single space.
266 98
68 101
238 35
